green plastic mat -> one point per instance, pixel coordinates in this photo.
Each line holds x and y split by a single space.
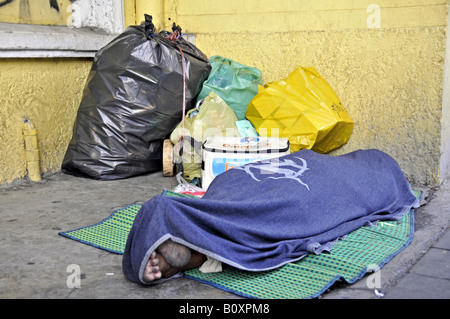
362 250
111 234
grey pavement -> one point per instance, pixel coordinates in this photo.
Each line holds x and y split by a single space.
36 262
429 278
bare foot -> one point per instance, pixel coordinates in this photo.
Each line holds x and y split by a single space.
152 269
175 254
158 267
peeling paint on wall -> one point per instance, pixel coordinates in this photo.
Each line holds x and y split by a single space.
50 12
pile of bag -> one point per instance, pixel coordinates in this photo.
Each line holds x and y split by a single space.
146 87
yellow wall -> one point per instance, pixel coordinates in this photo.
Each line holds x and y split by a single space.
389 78
36 12
130 12
46 91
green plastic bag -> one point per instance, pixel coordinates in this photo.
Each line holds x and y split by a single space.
235 83
246 128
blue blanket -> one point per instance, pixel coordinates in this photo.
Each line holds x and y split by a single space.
265 214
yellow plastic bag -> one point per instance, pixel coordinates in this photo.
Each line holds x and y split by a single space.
302 108
213 118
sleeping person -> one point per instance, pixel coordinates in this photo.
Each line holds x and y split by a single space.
264 214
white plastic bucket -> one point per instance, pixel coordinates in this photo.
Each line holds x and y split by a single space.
220 154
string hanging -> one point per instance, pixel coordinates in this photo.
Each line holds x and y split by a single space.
176 34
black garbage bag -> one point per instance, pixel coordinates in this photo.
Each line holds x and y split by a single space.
132 101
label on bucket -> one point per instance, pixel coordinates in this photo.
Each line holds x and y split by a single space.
220 165
246 145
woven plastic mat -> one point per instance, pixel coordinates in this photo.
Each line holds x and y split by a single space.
360 252
111 234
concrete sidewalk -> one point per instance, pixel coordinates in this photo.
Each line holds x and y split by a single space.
429 278
36 262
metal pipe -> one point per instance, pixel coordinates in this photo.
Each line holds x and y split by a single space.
31 150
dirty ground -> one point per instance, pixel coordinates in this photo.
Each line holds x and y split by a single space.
35 259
